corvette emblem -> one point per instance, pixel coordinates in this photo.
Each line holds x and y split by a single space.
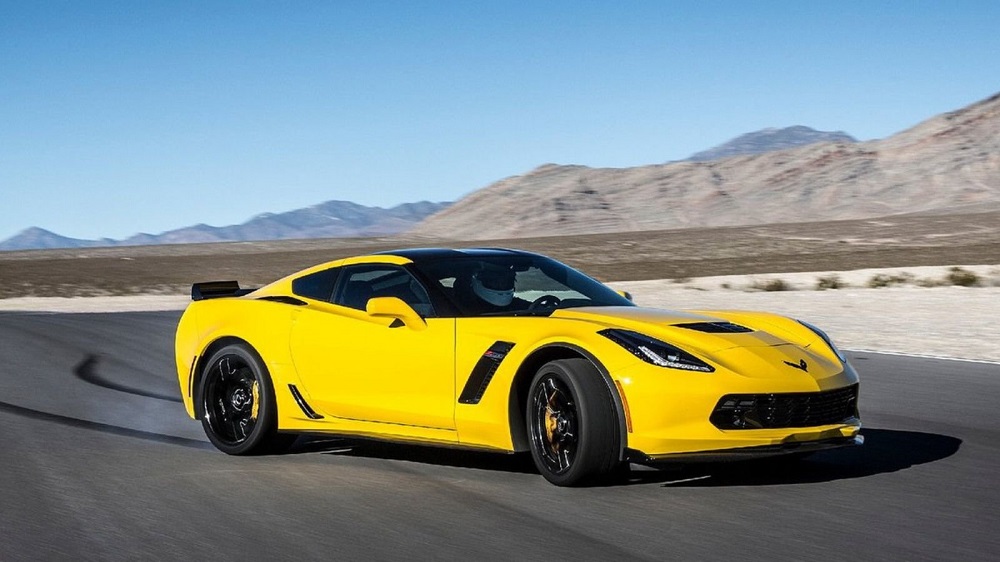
800 365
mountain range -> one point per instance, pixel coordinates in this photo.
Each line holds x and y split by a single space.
344 219
768 140
333 219
947 164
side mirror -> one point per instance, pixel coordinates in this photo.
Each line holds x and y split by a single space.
395 308
626 294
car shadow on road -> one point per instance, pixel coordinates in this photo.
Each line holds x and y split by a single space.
520 463
884 451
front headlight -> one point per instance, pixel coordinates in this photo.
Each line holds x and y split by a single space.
825 338
655 351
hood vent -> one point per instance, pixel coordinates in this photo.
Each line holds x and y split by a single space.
715 327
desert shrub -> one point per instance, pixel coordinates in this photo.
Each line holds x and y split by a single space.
879 280
771 285
903 278
726 286
962 277
928 282
829 282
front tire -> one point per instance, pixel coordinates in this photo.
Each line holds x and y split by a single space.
236 403
572 424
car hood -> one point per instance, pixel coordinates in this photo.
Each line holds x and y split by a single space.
687 328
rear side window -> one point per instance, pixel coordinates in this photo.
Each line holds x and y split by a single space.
318 286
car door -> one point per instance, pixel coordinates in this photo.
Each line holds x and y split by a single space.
361 367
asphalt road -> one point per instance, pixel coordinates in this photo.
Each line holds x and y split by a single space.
99 462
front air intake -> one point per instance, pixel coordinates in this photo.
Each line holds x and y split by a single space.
799 409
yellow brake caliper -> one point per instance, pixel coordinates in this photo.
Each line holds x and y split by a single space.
550 424
256 400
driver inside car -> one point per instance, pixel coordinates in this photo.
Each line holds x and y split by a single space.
493 287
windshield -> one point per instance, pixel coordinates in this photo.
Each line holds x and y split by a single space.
515 285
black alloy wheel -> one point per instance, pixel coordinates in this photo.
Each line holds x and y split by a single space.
572 424
554 430
236 403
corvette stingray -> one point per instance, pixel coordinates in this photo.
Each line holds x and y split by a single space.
507 351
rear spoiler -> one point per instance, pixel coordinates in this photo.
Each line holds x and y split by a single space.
217 289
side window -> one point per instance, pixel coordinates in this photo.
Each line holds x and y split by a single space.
317 285
363 282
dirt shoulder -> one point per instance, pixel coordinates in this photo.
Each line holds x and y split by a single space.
948 321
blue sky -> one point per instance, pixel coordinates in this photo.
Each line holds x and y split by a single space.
126 117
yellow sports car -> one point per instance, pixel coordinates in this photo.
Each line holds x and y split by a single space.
507 351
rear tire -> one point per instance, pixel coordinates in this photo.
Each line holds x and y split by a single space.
236 404
572 425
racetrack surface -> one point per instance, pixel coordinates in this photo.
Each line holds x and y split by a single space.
99 462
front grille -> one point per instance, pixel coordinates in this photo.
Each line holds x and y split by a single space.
798 409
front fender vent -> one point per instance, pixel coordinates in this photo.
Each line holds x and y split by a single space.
483 372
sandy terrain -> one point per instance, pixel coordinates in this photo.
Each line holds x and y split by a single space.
945 321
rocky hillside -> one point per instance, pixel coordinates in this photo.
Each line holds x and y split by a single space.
949 163
769 140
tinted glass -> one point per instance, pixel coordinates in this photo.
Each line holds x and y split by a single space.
540 285
363 282
317 285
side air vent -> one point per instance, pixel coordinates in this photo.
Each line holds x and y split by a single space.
303 405
715 327
483 372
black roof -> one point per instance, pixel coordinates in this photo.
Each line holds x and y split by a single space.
427 254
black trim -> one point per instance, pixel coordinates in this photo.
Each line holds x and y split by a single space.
483 372
715 327
303 405
217 289
759 451
194 365
786 409
670 356
284 299
417 255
